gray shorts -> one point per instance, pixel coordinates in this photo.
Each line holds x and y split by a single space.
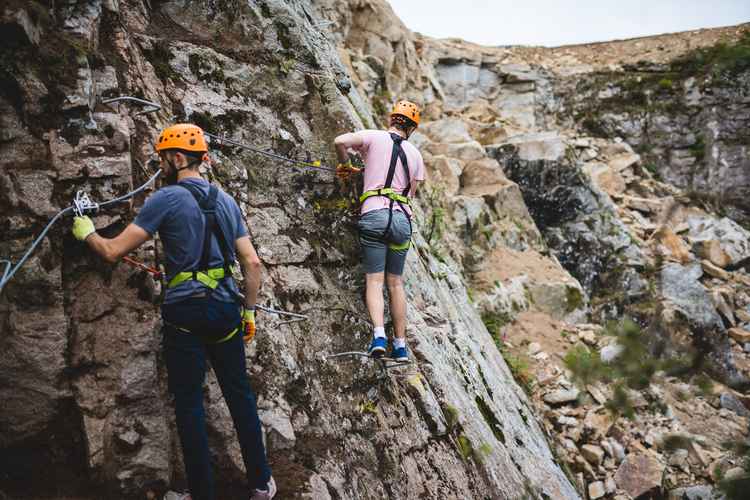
384 253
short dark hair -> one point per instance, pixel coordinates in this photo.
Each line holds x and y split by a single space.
402 123
193 155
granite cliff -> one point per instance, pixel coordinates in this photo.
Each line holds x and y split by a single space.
567 187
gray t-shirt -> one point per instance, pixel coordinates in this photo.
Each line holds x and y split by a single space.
173 212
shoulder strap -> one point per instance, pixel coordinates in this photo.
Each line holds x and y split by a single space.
207 204
396 154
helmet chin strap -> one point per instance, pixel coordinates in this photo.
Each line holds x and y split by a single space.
177 170
189 165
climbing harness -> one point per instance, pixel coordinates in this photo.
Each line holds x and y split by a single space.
81 205
209 277
387 191
299 163
159 274
384 363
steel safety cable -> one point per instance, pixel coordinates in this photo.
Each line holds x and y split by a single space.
304 164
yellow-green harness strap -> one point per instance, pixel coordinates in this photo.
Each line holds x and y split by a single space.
223 339
402 246
210 278
387 192
228 337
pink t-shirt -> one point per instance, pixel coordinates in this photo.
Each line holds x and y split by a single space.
376 150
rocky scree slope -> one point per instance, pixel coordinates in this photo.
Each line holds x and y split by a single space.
576 185
86 412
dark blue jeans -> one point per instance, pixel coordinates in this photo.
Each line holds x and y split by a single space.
185 355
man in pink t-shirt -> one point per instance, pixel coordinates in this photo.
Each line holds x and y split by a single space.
393 170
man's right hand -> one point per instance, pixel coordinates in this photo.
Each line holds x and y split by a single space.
345 170
248 325
83 227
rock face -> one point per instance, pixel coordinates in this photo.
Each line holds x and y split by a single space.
598 201
544 213
690 126
577 220
82 379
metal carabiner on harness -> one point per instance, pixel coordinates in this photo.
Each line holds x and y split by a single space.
83 205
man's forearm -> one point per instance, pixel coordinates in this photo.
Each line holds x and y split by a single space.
343 143
252 283
102 246
112 249
342 153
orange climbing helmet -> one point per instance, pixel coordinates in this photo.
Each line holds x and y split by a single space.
406 109
185 136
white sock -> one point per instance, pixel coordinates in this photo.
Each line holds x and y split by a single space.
378 331
397 342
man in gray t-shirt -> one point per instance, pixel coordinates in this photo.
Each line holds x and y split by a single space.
203 232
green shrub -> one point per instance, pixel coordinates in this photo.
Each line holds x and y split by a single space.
495 322
620 403
652 169
479 454
465 447
705 385
573 299
368 406
586 365
732 58
451 416
666 84
632 369
519 368
698 150
159 56
435 198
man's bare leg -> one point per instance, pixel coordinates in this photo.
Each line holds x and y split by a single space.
375 306
398 313
374 298
398 304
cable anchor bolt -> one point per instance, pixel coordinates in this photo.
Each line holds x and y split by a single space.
83 205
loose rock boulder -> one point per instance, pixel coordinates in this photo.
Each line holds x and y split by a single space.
640 474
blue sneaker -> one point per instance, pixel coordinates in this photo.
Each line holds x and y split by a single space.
377 347
399 354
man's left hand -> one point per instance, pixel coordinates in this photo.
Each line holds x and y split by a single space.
83 227
248 325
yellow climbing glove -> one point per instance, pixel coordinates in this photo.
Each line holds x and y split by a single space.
345 170
83 228
248 325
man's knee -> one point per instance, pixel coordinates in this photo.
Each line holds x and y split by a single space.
393 281
374 280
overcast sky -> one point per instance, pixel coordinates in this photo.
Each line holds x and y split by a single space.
557 22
